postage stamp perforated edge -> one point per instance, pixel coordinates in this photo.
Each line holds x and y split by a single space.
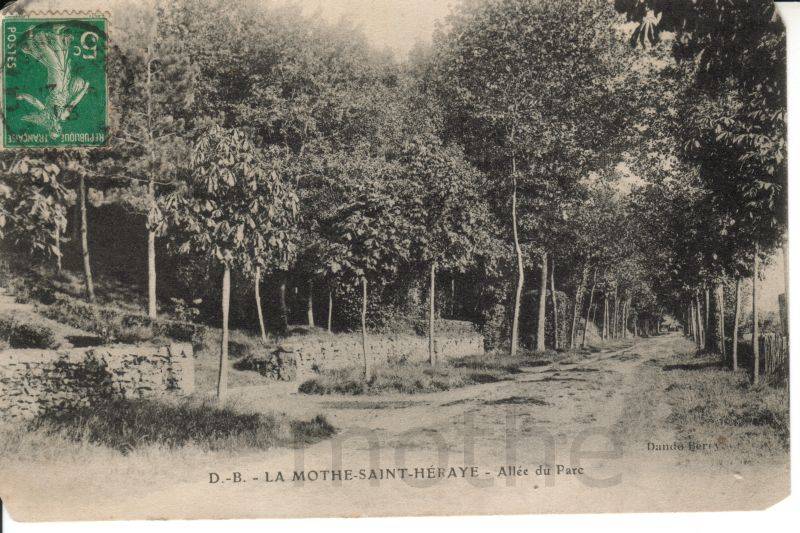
9 13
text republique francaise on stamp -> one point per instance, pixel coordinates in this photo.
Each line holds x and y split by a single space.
54 86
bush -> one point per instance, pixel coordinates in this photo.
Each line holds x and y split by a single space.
274 365
495 327
339 381
132 334
116 325
19 290
183 311
32 336
81 315
125 425
45 295
6 327
26 335
179 331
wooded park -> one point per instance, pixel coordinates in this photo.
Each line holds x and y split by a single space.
324 234
539 167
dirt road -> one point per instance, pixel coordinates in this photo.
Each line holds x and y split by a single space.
588 434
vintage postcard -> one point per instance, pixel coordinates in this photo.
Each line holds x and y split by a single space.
343 258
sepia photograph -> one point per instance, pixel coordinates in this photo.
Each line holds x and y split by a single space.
358 258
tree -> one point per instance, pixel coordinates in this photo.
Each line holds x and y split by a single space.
156 87
272 243
521 85
443 198
734 127
34 204
77 166
34 209
234 209
369 233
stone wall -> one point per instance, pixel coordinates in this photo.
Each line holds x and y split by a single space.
33 379
307 355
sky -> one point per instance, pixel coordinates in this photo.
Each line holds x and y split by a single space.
394 24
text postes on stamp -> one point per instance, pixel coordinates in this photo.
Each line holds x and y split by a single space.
54 82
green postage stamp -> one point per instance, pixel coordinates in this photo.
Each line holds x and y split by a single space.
55 93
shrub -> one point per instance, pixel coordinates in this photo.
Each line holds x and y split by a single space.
132 334
45 295
81 315
179 331
309 432
183 311
117 325
237 350
32 336
336 381
275 365
19 289
25 334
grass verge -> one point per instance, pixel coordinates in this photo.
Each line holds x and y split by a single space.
415 378
128 425
696 398
713 404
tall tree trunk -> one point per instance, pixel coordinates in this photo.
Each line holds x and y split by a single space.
87 265
453 297
57 239
152 305
152 308
310 308
330 309
589 309
624 318
693 326
614 332
540 347
736 312
222 379
707 336
755 315
367 366
698 321
703 327
719 293
284 310
520 262
259 308
431 316
556 336
606 321
576 309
